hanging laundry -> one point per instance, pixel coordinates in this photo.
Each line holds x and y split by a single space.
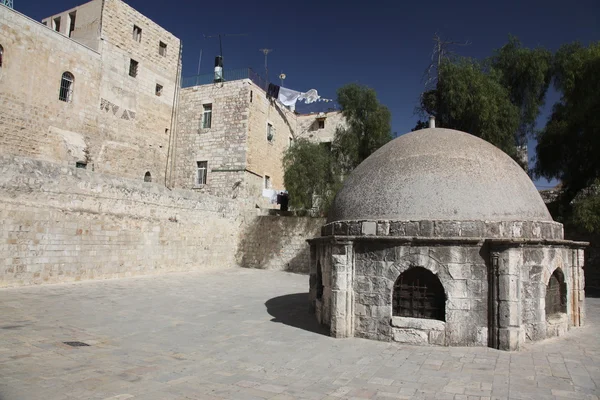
310 97
288 97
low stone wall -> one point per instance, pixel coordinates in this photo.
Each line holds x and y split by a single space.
63 224
278 242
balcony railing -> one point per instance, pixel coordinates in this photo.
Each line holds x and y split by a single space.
228 76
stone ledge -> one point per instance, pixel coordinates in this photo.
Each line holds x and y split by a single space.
418 323
445 229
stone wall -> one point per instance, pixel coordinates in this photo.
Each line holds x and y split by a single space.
63 224
136 122
223 146
264 156
308 126
277 242
114 123
33 121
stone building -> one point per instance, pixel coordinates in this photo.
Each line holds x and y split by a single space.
93 87
441 238
230 138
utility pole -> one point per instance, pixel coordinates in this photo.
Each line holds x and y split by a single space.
266 53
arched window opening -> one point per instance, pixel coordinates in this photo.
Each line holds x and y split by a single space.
148 177
418 293
319 282
66 87
556 294
1 55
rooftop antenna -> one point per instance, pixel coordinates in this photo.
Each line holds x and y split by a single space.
7 3
266 53
221 36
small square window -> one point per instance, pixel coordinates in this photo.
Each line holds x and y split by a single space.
267 182
159 90
270 133
202 172
321 124
80 164
207 116
133 68
137 33
162 49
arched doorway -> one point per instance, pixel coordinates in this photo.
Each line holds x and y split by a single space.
148 177
556 294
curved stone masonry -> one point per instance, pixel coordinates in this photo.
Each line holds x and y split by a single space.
445 229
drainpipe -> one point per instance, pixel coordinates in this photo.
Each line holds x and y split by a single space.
171 150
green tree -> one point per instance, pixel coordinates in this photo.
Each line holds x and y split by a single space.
467 98
526 74
309 174
497 99
569 146
368 126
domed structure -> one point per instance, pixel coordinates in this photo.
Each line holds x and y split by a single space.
439 174
440 238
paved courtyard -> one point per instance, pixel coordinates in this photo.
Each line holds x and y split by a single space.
246 334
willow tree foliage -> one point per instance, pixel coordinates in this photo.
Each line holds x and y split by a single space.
313 172
497 99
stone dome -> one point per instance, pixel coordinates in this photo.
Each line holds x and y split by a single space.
439 174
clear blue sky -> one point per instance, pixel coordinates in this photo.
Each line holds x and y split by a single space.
383 44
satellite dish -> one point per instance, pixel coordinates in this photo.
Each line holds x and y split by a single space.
281 76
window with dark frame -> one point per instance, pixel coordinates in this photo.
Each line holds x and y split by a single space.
270 133
321 123
162 49
158 90
1 55
148 177
556 294
133 68
267 182
65 92
202 172
137 33
81 165
206 116
418 293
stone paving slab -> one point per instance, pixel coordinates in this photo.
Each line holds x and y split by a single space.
246 334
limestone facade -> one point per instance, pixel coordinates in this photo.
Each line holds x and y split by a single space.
320 127
63 224
245 143
104 119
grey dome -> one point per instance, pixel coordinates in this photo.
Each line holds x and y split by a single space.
439 174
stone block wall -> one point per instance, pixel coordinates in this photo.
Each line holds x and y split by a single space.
115 123
135 120
64 224
265 157
223 145
33 121
308 126
277 242
462 272
87 23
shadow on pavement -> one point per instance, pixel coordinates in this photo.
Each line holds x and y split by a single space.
292 310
